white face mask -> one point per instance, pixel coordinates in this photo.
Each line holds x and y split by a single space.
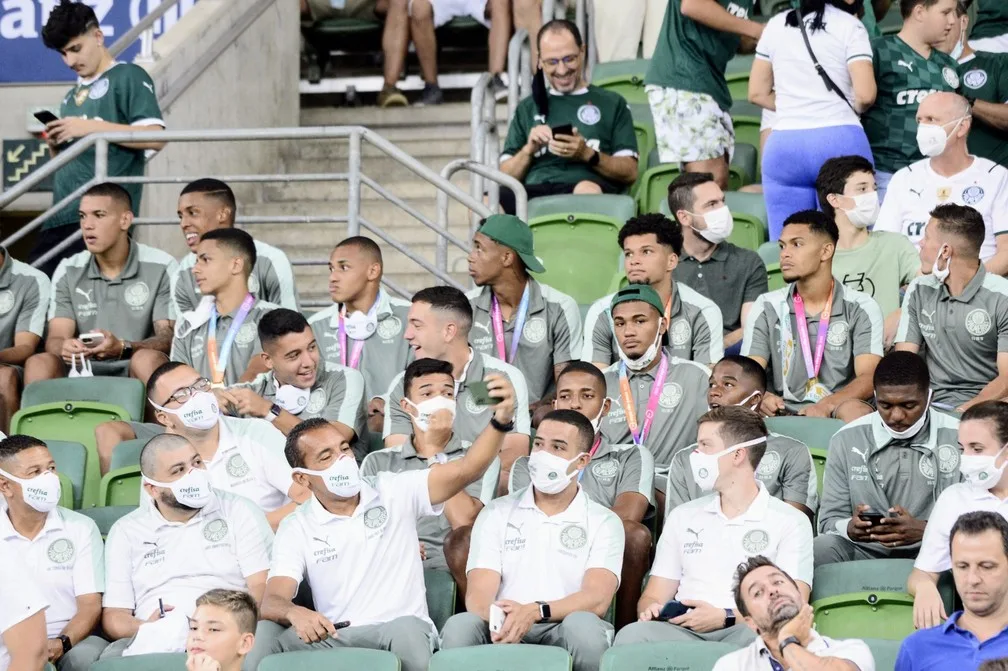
427 409
705 466
292 399
192 489
720 225
549 472
645 359
342 478
957 50
931 138
745 402
865 211
360 325
913 430
980 471
941 274
41 492
200 412
597 422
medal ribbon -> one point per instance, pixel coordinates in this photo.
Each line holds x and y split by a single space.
358 348
498 325
594 449
812 365
652 405
219 364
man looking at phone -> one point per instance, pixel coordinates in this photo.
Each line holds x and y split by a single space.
109 97
110 303
885 470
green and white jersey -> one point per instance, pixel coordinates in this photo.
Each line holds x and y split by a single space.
904 79
272 280
123 94
690 56
127 305
601 117
992 19
985 77
961 335
550 337
24 298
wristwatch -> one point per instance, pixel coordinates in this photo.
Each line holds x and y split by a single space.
594 160
127 350
544 611
503 428
65 640
788 641
274 412
729 618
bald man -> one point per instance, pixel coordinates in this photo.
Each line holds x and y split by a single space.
949 174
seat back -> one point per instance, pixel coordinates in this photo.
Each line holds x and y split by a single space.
126 453
886 615
769 252
616 206
623 77
105 516
121 487
813 431
884 652
644 128
71 461
775 280
519 657
440 596
568 244
747 231
737 76
746 159
819 461
66 499
873 575
172 661
126 392
751 204
680 655
335 659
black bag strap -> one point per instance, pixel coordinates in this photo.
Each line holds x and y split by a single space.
830 84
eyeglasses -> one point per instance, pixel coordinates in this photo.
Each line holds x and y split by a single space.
569 61
186 393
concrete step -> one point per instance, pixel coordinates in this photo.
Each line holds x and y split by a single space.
336 193
377 117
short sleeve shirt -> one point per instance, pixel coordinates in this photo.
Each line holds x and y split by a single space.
24 299
19 598
551 335
65 560
855 328
985 77
695 329
756 656
434 528
542 558
956 500
272 280
961 336
731 277
879 268
384 355
948 646
601 117
127 305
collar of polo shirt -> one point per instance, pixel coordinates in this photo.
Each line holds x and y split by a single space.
54 522
577 511
369 498
721 253
882 438
129 271
159 521
536 302
969 292
838 302
756 510
408 450
6 274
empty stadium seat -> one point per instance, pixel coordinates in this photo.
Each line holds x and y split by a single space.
885 615
616 206
126 392
520 657
746 159
819 461
120 487
770 252
813 431
71 461
747 118
440 588
174 661
105 516
884 652
126 453
774 278
681 656
737 76
336 659
623 77
873 575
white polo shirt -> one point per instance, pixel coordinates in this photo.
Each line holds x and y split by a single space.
701 548
756 656
364 568
65 560
542 558
19 598
955 500
148 557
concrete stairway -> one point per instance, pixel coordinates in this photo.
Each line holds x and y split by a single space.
433 135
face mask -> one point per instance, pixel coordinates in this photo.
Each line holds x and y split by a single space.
41 492
549 472
979 471
597 422
360 326
719 225
705 466
645 360
426 409
192 489
941 274
865 211
342 479
200 412
292 399
913 430
931 139
957 50
745 401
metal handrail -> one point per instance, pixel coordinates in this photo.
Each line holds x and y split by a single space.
146 27
519 69
486 172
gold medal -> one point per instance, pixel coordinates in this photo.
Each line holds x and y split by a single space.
80 96
944 192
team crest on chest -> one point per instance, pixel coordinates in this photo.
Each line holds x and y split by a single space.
755 541
246 334
236 466
950 77
975 79
671 395
253 284
680 333
375 517
972 195
948 459
589 114
535 330
471 407
316 401
215 530
137 294
836 335
6 301
978 322
573 537
605 470
926 466
389 328
60 551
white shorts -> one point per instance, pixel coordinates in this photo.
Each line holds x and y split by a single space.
446 10
997 44
689 126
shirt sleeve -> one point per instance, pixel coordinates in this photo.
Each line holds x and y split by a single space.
396 422
89 566
678 489
794 552
164 307
867 329
119 592
909 323
767 41
485 543
708 335
412 489
288 550
182 290
637 473
798 477
933 556
137 101
858 46
253 536
522 417
180 350
19 598
519 477
60 305
854 651
756 337
999 211
597 345
668 561
518 130
278 283
756 282
624 140
835 509
32 318
909 260
566 332
1002 323
607 546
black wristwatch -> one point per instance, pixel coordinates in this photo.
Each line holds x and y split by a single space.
127 350
788 641
544 611
729 618
594 160
65 640
503 428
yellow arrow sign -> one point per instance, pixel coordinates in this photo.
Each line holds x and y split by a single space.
14 156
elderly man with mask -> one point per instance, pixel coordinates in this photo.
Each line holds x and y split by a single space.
949 174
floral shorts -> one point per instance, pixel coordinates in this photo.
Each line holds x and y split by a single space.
689 126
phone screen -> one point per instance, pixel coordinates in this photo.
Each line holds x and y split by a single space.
672 610
45 116
565 129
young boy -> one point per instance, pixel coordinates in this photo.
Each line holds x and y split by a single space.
221 631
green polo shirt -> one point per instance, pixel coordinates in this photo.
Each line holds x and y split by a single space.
731 277
272 280
385 354
695 331
961 336
682 400
432 529
855 328
867 466
879 268
127 305
190 343
613 470
985 77
786 470
24 298
551 335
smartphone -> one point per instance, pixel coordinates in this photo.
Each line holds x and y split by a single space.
91 339
496 618
672 610
342 625
481 394
564 129
786 412
872 515
45 117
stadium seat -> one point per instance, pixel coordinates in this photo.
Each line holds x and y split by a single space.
71 421
884 652
885 615
623 77
336 659
126 392
746 160
813 431
172 661
106 516
769 252
71 461
120 487
749 216
872 575
652 184
126 453
616 206
440 596
819 461
681 656
747 120
644 130
737 76
66 499
774 278
892 22
520 657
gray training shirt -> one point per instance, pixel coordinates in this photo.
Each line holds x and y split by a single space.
24 298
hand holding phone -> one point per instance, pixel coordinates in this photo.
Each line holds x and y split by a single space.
496 618
481 394
92 338
563 129
671 611
45 117
872 515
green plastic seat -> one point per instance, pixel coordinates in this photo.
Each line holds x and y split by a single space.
737 76
66 499
440 596
171 661
126 392
750 204
885 615
819 462
884 652
873 575
121 487
633 66
644 130
769 252
569 244
73 421
336 659
520 657
816 432
623 77
747 231
616 206
681 656
746 160
106 516
126 453
774 278
652 184
71 461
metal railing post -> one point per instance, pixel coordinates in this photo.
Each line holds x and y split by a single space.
354 184
146 55
516 49
101 160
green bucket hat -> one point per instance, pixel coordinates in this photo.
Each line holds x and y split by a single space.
512 232
638 292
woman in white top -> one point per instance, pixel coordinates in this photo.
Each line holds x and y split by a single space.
814 123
